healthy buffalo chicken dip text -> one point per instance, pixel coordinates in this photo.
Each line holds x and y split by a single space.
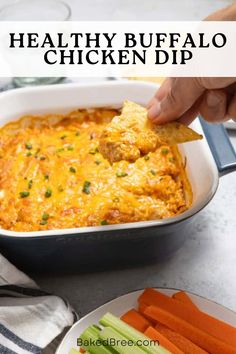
52 176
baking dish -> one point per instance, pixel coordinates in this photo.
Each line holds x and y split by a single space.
101 246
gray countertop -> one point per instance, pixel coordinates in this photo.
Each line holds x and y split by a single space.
205 265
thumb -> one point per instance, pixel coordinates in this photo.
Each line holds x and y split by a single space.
175 98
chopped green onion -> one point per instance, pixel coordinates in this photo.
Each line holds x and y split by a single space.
146 157
121 174
30 184
29 153
104 222
172 159
43 222
93 151
36 153
24 194
48 193
46 177
86 187
28 146
60 188
63 137
42 158
70 148
116 200
45 216
72 169
98 162
153 172
165 151
77 133
60 149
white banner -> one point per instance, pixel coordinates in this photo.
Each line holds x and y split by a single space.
86 49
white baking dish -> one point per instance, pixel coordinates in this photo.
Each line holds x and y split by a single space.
201 166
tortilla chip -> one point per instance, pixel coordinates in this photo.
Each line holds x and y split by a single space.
131 135
134 111
175 133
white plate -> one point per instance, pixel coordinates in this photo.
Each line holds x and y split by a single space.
124 303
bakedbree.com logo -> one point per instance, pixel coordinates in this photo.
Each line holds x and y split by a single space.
114 342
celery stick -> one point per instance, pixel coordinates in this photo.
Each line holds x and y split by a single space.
89 336
73 351
96 327
131 333
109 334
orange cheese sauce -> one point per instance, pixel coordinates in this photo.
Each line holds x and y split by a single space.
52 176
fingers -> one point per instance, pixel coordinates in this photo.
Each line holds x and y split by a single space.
191 114
154 109
160 94
213 107
175 97
183 98
231 113
154 106
226 14
212 83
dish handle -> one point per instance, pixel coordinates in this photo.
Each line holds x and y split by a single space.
221 147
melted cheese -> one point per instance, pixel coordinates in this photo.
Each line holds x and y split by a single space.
52 176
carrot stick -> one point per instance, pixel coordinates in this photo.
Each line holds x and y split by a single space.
199 319
162 340
142 307
181 342
136 320
184 298
196 335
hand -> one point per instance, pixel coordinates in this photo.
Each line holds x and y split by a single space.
183 99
